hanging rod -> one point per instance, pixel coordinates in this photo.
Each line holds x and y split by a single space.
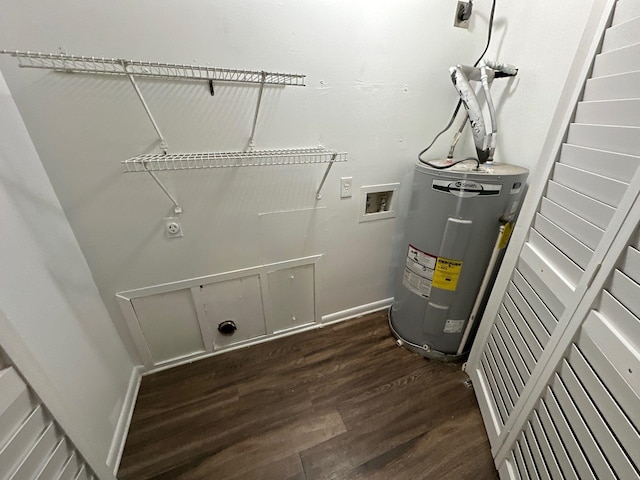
256 158
116 66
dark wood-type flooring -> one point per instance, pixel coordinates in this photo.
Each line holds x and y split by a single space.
342 402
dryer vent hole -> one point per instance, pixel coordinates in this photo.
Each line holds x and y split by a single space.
228 327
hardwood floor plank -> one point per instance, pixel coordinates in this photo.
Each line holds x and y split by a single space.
340 402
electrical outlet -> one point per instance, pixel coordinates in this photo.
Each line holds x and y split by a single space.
172 227
463 14
346 184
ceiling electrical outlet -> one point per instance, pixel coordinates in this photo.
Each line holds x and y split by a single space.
463 14
172 227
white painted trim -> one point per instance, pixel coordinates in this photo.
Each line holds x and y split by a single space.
261 271
391 213
137 335
330 319
358 311
215 278
124 420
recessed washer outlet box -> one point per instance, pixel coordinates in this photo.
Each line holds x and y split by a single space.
378 202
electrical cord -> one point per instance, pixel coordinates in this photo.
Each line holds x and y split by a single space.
449 165
457 109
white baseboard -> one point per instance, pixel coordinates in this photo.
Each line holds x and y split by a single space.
124 420
325 321
358 311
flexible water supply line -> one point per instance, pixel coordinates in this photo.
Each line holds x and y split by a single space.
470 102
483 288
490 138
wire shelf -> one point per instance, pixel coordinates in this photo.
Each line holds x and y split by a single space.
116 66
257 158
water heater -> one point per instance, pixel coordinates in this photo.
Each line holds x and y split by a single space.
453 229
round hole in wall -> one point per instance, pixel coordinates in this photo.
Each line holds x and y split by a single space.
228 327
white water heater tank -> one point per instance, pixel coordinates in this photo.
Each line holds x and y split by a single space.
453 222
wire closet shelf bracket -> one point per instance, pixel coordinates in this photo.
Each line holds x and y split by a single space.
151 163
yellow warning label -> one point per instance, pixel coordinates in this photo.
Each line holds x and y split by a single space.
506 235
446 273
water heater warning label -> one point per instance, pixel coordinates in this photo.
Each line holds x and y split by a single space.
447 273
418 271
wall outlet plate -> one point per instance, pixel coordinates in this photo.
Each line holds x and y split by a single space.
463 15
378 202
172 227
346 187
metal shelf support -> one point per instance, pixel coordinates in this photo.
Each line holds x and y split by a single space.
324 177
251 144
163 142
62 62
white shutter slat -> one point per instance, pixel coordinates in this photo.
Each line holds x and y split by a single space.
559 449
536 452
572 445
535 302
496 396
604 189
578 424
586 232
617 166
38 456
15 404
514 349
518 338
622 60
610 375
523 326
550 460
500 380
70 468
610 112
614 456
614 417
56 461
630 264
625 10
504 374
614 347
613 87
22 441
555 259
626 324
582 205
573 248
529 315
627 292
528 459
622 34
553 289
519 462
500 344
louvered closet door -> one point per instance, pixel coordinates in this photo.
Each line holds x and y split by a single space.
31 444
583 206
586 421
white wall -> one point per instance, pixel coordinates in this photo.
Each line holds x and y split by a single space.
53 323
378 88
